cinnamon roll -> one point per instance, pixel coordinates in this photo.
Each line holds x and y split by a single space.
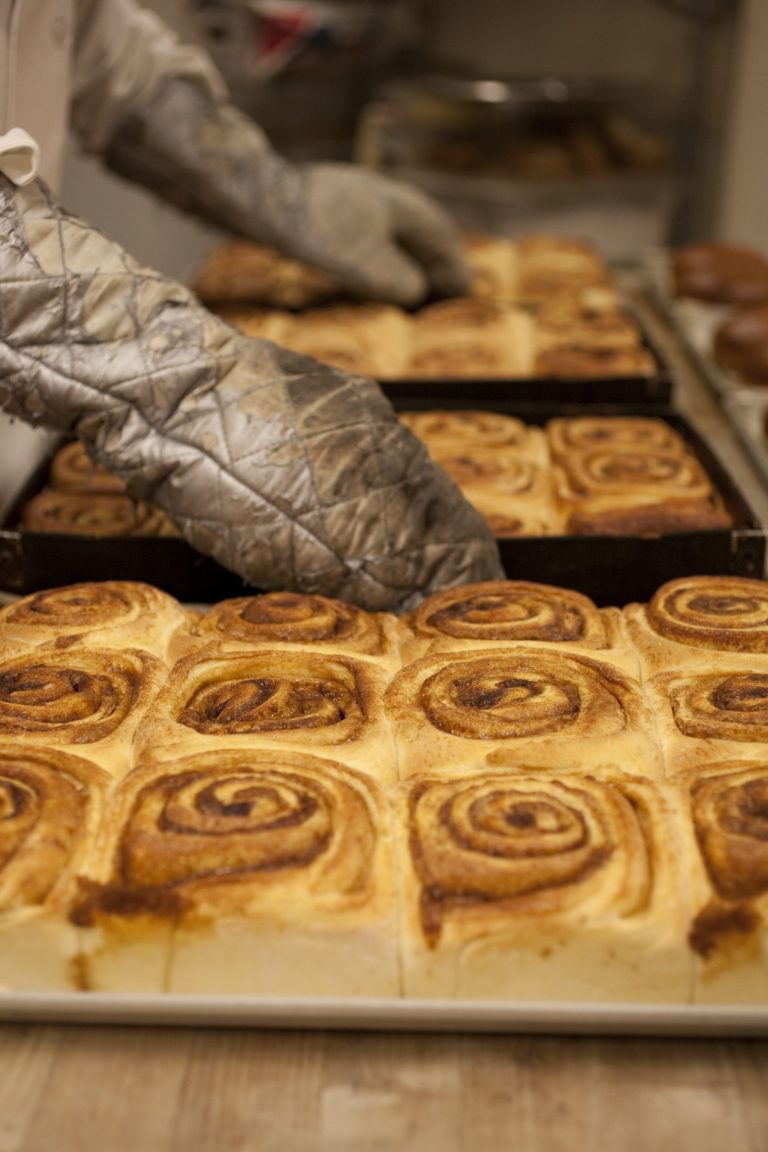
446 430
689 618
569 434
501 612
556 887
705 715
292 619
106 613
512 707
72 470
88 698
50 805
270 872
309 701
93 514
728 804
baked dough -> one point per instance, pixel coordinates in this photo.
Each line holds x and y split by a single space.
517 707
86 698
101 613
50 808
689 619
533 887
326 704
243 872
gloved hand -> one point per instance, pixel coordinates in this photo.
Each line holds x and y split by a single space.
290 473
381 238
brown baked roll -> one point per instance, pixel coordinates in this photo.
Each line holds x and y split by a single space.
329 704
243 871
470 337
105 613
726 801
240 270
689 618
549 264
575 361
563 321
312 623
533 886
89 698
50 804
719 273
569 434
508 519
93 514
740 344
501 612
493 262
517 707
72 470
635 492
446 430
715 713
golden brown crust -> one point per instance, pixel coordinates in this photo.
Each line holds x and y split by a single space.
721 613
49 803
508 707
500 612
106 613
274 619
93 514
73 470
284 698
89 698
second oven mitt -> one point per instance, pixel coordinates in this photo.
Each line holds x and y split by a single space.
380 238
290 473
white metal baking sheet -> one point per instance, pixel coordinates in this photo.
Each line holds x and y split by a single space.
384 1014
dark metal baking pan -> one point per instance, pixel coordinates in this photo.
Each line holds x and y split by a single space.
617 569
609 569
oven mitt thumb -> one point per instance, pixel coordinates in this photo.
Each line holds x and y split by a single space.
290 473
380 238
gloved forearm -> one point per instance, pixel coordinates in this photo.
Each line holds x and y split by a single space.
287 472
379 237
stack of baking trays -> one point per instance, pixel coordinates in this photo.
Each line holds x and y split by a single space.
539 392
535 803
715 295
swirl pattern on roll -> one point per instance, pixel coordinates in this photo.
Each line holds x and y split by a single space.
646 474
45 797
580 433
527 845
729 613
730 815
263 695
93 514
72 698
293 618
718 705
231 816
510 610
65 614
513 694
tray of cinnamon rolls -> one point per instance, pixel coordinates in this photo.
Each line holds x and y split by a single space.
544 315
620 502
507 809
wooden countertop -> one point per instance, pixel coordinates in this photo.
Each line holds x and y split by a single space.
122 1089
116 1088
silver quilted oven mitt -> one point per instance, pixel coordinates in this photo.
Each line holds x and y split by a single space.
287 472
380 238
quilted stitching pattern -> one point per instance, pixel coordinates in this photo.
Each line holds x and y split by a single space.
286 471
